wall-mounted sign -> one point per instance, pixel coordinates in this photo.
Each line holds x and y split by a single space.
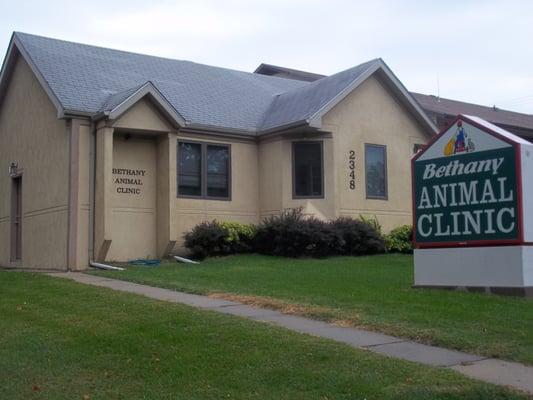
467 187
128 181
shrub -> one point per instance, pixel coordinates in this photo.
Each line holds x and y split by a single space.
400 239
207 239
292 234
372 221
239 236
277 234
315 238
215 238
360 237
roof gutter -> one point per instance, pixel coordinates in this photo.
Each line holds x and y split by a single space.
292 125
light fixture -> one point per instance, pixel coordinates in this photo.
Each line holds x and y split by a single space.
13 169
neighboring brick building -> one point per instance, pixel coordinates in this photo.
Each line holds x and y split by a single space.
443 111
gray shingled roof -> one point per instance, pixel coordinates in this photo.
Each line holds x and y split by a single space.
91 80
302 103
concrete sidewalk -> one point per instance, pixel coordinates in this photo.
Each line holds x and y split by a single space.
500 372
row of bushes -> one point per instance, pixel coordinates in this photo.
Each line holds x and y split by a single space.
293 234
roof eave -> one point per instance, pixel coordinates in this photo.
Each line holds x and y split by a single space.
279 128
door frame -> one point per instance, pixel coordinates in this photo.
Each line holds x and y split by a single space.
16 218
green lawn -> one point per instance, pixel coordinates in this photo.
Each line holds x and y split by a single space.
63 340
373 292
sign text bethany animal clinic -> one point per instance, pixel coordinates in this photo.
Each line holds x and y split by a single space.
466 196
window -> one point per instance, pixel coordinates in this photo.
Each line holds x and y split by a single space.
190 169
203 170
376 171
217 171
307 169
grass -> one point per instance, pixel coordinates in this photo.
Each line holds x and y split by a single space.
63 340
372 292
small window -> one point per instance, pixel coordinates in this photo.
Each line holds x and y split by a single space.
376 171
308 177
203 170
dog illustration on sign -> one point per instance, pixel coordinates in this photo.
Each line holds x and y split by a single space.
460 143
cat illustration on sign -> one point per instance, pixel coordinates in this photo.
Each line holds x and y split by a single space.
460 143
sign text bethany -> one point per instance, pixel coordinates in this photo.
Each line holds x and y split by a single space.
465 188
129 181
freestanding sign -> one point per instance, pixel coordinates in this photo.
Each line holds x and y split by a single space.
472 208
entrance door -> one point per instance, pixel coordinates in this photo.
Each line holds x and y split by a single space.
16 219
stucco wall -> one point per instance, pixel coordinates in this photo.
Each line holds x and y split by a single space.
270 177
133 215
276 181
143 116
244 203
32 136
372 115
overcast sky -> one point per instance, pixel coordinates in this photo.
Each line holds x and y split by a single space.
477 51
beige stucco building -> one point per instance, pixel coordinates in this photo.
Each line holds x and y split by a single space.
111 156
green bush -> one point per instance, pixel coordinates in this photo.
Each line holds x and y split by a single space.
239 236
213 238
207 239
400 239
372 221
293 234
360 237
289 234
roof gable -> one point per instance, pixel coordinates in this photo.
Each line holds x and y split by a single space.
309 104
116 105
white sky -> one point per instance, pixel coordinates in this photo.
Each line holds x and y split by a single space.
479 51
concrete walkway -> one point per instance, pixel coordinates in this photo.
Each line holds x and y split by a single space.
500 372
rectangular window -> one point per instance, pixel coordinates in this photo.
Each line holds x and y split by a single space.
376 171
307 169
203 170
217 171
189 169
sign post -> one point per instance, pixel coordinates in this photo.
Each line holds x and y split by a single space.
473 209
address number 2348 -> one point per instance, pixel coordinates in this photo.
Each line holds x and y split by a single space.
351 168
